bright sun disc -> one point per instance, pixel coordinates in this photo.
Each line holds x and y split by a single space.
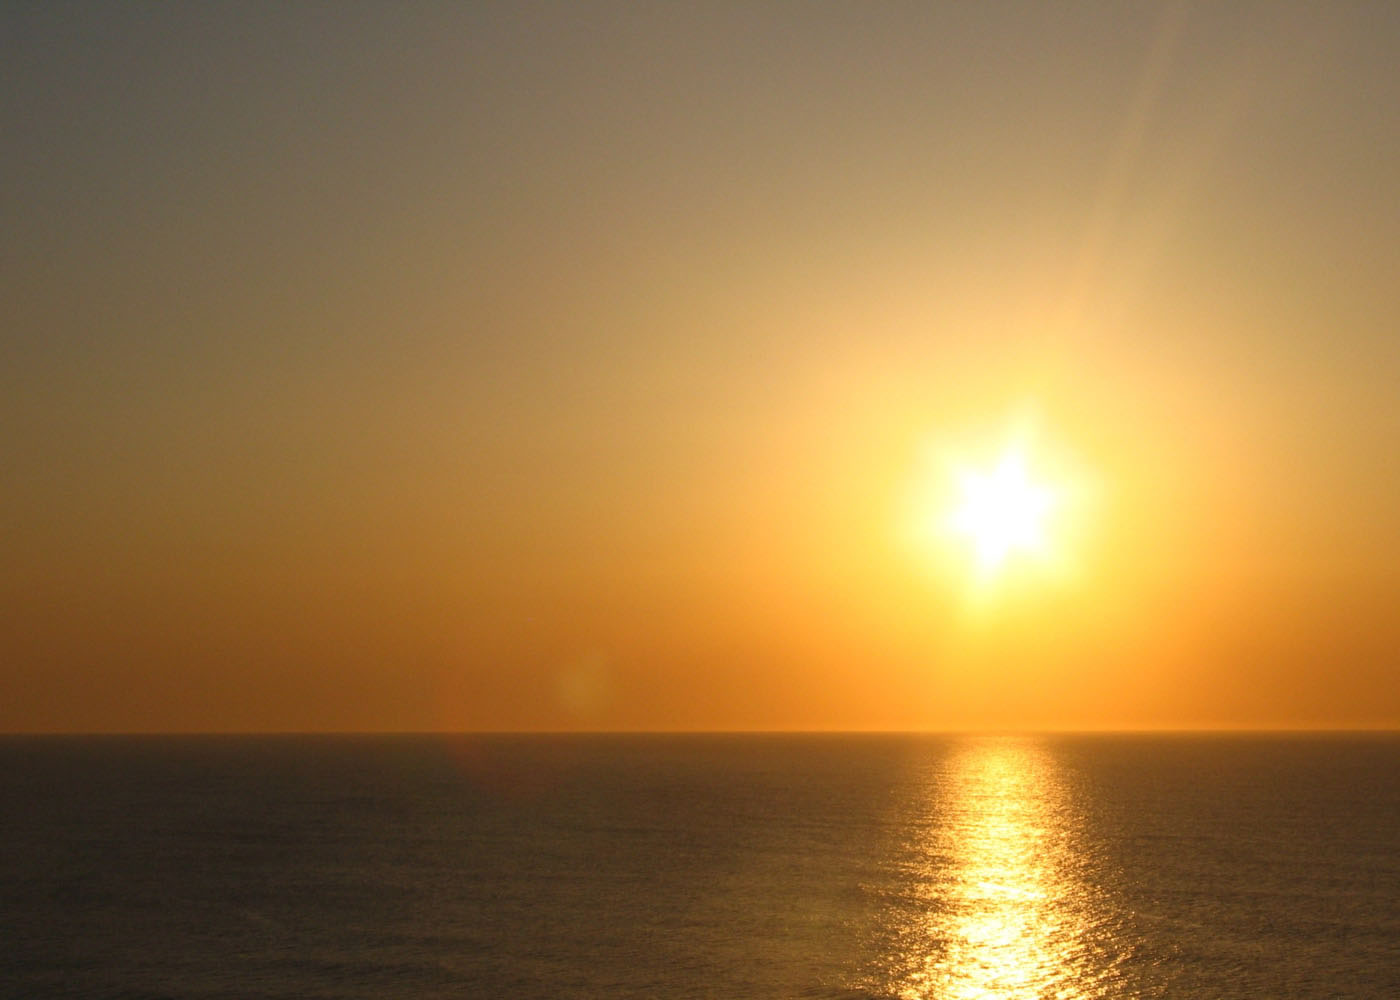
1001 512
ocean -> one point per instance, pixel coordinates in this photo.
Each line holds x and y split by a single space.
706 866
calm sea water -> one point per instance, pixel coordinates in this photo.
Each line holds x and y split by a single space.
700 866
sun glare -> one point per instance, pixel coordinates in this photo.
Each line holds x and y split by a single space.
1001 512
1001 515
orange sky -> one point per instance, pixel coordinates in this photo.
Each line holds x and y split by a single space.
583 366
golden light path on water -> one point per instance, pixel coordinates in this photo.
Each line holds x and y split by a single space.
999 905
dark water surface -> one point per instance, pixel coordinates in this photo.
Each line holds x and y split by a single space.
700 866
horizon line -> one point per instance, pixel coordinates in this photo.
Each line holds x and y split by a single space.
1001 731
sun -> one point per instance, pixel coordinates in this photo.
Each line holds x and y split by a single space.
1003 516
1001 513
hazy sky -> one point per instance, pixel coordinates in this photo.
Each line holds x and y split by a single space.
523 366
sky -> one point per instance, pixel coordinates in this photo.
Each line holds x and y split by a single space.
614 366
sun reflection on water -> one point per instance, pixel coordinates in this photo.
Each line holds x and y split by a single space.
994 904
